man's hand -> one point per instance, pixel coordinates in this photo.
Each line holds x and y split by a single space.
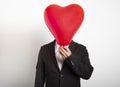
64 51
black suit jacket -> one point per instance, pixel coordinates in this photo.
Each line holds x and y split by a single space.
74 67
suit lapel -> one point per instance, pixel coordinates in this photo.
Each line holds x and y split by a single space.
52 53
72 46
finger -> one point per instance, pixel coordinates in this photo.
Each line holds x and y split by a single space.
63 56
62 52
65 52
67 49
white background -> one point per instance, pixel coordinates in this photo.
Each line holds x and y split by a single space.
23 32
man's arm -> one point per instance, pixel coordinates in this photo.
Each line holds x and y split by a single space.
82 67
40 77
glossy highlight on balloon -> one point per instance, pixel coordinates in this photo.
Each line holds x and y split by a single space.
63 22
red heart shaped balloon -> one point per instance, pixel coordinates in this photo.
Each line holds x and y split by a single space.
63 22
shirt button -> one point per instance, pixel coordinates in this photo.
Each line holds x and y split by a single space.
61 75
72 63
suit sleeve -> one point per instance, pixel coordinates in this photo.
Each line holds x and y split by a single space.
82 68
40 77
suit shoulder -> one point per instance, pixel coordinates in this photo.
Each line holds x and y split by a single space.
47 44
79 45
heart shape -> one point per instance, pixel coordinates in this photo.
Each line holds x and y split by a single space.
63 22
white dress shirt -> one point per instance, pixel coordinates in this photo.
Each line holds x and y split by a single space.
58 55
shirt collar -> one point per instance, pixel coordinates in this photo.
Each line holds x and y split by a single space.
57 46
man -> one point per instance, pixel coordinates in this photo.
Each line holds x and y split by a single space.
62 66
